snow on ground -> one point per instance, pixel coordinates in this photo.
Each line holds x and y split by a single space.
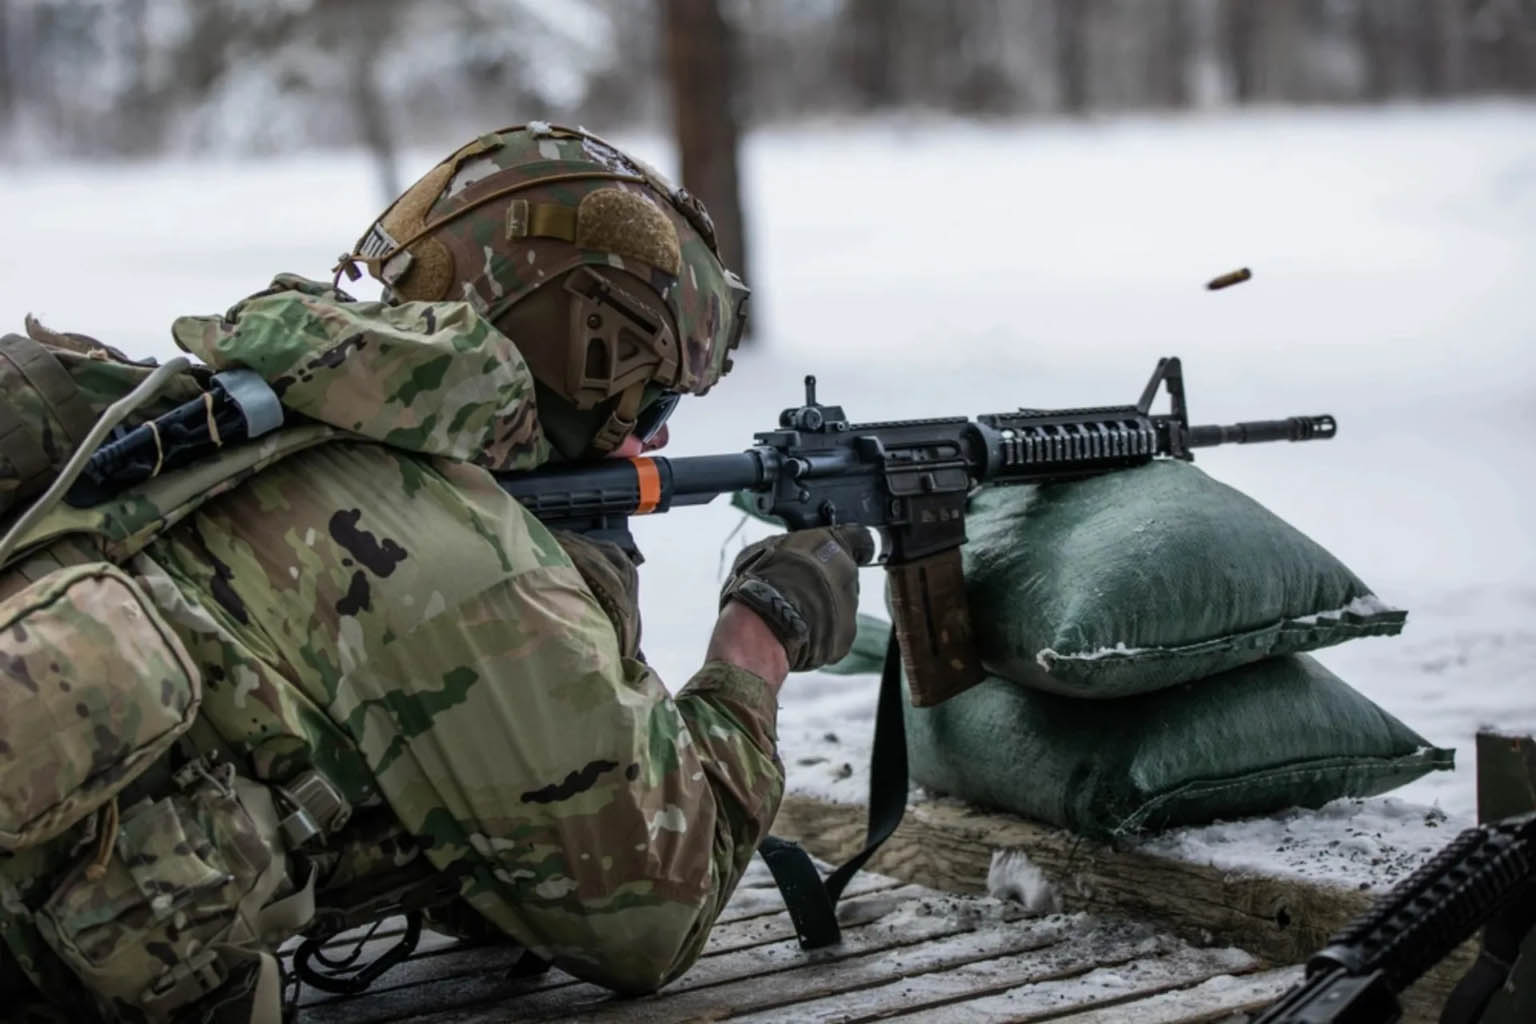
931 268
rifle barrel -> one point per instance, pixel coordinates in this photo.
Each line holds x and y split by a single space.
1293 428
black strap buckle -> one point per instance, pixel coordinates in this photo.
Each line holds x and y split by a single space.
812 902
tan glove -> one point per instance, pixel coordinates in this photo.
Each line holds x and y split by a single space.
613 580
805 586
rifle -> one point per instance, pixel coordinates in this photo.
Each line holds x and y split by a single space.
1486 874
909 479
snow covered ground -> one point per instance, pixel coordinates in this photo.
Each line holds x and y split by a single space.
931 268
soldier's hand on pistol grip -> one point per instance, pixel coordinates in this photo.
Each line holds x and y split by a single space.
613 580
805 586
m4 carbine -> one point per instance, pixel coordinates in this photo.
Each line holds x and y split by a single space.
909 479
1486 874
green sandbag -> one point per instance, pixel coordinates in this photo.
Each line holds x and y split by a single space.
1280 733
868 653
1146 578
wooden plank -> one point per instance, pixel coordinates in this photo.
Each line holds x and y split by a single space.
851 912
948 845
417 981
470 976
592 1003
817 976
757 902
1102 986
925 982
754 931
737 929
482 981
1211 1000
757 875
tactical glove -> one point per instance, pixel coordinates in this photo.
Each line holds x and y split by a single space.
805 586
612 578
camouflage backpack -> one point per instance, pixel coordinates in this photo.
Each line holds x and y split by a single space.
55 386
96 685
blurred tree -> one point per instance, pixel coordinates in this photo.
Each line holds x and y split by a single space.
1378 28
1072 54
7 90
1240 21
796 57
630 87
136 77
1504 32
1442 48
363 33
870 31
1173 49
701 70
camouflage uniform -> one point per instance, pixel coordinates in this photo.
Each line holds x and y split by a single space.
360 598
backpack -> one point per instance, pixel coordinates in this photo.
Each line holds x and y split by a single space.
80 632
55 386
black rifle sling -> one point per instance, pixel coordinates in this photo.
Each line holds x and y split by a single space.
812 902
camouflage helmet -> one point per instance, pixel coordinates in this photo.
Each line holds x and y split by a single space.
604 275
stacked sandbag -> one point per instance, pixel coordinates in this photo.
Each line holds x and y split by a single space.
1144 633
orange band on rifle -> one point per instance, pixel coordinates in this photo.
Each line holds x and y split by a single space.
650 485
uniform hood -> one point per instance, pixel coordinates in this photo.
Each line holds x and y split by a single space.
429 377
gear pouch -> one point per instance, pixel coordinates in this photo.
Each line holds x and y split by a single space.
179 901
94 687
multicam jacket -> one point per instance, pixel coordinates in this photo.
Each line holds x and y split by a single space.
375 607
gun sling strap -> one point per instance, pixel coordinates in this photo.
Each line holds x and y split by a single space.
812 901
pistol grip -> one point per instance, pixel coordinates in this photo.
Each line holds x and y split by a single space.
933 627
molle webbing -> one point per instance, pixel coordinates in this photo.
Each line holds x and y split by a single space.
541 220
21 442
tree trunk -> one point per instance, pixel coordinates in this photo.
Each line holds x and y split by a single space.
1173 57
1241 46
700 65
1377 32
1514 54
1444 48
1072 54
7 87
372 116
871 29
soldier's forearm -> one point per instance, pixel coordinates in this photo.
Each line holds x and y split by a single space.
743 639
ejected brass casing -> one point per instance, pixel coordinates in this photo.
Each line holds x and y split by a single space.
1229 279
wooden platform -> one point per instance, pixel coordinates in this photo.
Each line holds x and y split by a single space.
909 953
948 845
